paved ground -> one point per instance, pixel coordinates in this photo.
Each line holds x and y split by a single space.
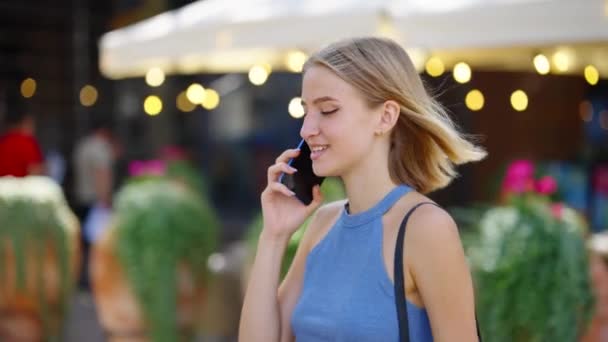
221 312
82 323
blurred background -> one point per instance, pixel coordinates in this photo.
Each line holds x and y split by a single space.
124 105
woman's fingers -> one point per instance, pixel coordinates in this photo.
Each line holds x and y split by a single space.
275 170
278 187
286 155
317 199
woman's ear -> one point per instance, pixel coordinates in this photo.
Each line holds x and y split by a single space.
389 116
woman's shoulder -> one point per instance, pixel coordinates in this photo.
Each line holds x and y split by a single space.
330 210
430 227
322 221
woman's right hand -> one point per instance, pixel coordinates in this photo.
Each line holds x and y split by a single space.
283 212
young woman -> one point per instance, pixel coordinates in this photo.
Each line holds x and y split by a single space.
369 121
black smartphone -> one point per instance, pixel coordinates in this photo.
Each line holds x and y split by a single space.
301 182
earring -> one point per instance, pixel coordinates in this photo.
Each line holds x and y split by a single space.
379 132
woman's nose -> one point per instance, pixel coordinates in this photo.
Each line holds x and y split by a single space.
310 126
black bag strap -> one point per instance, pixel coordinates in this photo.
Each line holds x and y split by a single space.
399 283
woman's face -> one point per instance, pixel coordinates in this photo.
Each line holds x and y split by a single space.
338 126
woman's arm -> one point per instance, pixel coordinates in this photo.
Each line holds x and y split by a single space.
441 274
262 291
261 316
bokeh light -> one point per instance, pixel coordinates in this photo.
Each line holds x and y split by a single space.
153 105
258 75
211 100
519 100
434 67
155 77
295 108
195 93
28 87
88 95
474 100
592 75
183 104
541 64
295 60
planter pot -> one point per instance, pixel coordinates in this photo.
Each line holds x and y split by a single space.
38 266
118 309
149 268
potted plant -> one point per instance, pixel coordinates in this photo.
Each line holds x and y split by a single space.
149 269
39 256
530 263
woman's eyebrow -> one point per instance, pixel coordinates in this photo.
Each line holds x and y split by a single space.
320 99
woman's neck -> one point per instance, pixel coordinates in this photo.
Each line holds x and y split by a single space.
367 185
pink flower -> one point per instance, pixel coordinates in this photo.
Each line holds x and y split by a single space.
519 177
557 209
136 168
546 185
151 167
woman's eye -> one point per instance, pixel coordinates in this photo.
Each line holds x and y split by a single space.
329 111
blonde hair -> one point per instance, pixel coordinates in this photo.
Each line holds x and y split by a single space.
425 144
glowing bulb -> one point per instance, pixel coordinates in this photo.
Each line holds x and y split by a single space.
541 64
195 93
212 99
155 77
183 103
519 100
592 75
434 67
88 95
561 59
258 75
28 87
153 105
474 100
295 108
462 72
296 60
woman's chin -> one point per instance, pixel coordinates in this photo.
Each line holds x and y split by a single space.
322 171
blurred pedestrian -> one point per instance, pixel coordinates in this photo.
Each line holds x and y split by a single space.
93 171
20 153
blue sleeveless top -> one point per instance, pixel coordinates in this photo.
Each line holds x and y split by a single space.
347 294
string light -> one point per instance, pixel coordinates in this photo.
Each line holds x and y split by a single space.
155 77
474 100
519 100
88 95
462 72
211 100
195 93
434 67
541 64
258 75
28 87
153 105
295 108
592 75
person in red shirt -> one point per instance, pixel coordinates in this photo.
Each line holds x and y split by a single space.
20 154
